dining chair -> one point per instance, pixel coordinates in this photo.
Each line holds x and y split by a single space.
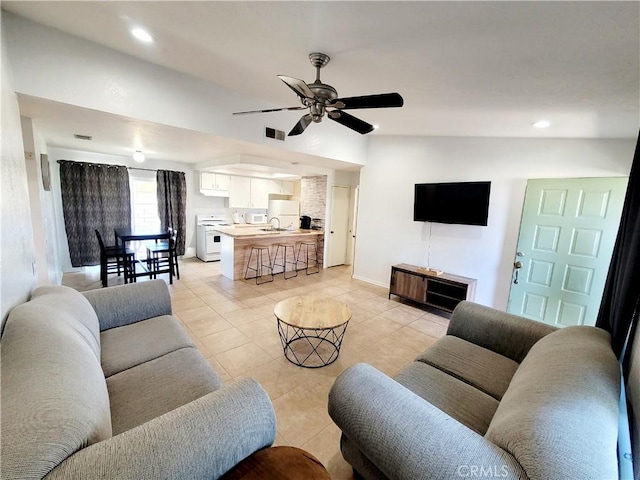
164 255
115 259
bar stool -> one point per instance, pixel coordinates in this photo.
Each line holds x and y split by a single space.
307 257
285 252
259 249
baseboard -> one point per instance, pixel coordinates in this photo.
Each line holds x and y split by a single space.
368 280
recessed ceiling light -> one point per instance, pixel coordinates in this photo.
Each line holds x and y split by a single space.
142 35
375 127
541 124
138 156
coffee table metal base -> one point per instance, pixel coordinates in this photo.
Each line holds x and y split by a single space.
311 347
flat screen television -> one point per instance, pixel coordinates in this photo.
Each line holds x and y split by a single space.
465 203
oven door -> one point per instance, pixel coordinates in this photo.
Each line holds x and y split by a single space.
213 242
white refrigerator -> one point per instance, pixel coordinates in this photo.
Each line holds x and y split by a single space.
287 211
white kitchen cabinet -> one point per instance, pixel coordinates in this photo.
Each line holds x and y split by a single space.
222 181
287 188
260 189
280 187
210 182
207 181
239 192
275 186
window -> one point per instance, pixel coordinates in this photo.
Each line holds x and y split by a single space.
144 205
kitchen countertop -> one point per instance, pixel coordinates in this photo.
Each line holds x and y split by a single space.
246 231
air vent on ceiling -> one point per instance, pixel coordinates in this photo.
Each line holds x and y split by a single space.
82 137
273 133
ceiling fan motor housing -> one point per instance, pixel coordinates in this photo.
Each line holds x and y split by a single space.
326 93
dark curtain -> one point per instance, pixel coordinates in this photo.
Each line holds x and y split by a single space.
94 196
622 290
172 204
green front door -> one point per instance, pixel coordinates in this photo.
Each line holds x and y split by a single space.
568 230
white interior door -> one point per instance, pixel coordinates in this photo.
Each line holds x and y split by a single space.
339 225
568 230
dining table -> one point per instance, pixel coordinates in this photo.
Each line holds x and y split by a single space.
128 234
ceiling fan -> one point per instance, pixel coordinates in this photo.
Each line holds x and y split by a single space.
321 98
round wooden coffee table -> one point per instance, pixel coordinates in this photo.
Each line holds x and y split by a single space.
311 329
278 463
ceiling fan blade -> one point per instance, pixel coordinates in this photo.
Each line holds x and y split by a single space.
298 86
270 110
352 122
383 100
301 125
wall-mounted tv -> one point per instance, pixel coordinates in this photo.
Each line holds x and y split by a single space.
465 203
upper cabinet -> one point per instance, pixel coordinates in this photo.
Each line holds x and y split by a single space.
281 187
260 190
287 188
222 181
243 192
240 192
214 184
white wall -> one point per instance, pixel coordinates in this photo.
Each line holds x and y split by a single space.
388 235
52 65
43 219
196 203
17 252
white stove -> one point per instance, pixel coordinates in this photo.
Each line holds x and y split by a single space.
207 239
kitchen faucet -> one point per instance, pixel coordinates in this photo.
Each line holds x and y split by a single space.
275 218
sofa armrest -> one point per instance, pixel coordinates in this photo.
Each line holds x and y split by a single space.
130 303
200 440
504 333
407 437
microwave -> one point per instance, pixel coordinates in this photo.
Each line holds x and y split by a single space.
255 217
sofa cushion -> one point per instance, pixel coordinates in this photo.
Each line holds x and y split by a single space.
130 345
454 397
559 417
154 388
54 395
483 369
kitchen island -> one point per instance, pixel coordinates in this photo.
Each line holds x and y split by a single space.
235 243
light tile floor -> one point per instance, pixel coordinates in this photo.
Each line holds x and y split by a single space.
233 325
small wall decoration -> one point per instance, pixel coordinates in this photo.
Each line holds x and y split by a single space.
46 175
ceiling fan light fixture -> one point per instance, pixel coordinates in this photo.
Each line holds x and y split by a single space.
138 156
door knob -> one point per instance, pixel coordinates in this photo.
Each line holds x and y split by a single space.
516 266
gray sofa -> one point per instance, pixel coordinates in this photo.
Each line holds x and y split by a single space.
107 384
499 396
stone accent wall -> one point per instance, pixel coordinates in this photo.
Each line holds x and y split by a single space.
313 196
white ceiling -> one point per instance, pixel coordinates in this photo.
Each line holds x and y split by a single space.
463 68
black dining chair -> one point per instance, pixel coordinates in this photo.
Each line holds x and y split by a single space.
164 256
115 259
